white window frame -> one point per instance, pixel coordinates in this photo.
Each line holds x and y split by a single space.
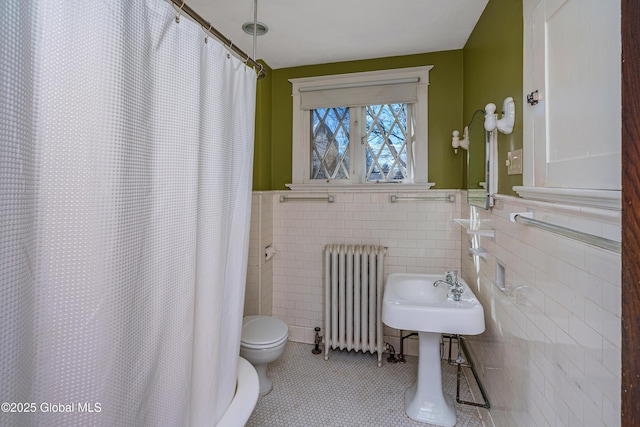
301 144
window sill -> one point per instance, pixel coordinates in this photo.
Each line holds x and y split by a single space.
382 186
604 199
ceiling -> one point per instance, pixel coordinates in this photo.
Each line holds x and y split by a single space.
303 32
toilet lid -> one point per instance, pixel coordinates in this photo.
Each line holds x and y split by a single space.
263 330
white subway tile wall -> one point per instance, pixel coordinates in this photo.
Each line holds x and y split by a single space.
252 289
420 236
258 298
266 286
551 352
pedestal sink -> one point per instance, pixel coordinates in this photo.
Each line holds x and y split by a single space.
411 302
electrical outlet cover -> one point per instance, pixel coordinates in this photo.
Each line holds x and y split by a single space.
514 162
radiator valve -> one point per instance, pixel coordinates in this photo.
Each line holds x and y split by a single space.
318 340
392 353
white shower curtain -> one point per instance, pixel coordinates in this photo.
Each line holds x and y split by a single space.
125 180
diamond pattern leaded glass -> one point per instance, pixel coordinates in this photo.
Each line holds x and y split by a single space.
330 143
386 142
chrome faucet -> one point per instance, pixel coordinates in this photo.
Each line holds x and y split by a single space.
451 280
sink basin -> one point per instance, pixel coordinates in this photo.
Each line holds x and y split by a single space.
411 302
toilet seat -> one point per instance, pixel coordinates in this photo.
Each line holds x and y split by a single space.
263 332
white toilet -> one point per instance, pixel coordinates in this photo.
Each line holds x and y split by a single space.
262 342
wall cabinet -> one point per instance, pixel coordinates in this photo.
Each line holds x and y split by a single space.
572 135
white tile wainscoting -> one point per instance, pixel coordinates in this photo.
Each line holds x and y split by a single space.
551 351
259 291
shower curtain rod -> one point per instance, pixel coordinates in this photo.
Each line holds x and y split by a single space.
206 25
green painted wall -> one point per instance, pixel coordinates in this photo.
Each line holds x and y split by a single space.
445 114
493 71
488 69
262 147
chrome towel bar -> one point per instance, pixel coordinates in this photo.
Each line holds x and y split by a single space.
329 198
591 239
448 198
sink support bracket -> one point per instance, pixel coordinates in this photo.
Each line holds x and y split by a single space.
468 363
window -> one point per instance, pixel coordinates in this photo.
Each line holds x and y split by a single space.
361 128
330 143
387 142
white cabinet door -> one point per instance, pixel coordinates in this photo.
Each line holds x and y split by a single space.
572 57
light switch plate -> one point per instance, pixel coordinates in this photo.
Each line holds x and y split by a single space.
514 162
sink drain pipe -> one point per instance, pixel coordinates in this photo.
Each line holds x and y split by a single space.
400 356
462 363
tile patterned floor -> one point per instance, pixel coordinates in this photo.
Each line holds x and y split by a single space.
348 390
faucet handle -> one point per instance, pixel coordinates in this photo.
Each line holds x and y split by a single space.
452 276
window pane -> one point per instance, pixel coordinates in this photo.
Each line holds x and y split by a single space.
330 143
386 147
